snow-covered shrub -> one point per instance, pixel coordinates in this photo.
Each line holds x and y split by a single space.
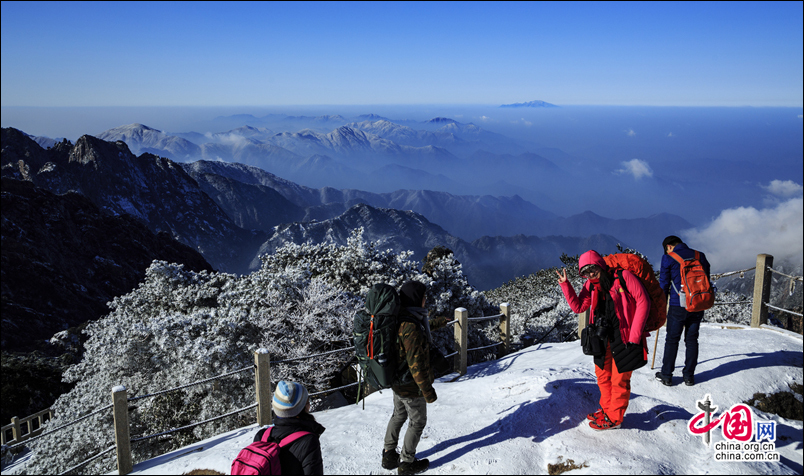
352 268
539 311
179 327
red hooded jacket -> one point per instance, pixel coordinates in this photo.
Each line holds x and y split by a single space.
631 306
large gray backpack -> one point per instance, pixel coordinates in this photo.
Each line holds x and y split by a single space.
375 334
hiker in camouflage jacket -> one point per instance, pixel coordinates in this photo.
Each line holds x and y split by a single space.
414 388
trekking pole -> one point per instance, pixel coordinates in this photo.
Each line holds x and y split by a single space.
654 348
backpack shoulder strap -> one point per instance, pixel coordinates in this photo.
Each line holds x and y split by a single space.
678 258
622 280
293 437
266 435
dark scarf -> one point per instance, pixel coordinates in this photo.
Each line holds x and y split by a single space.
605 311
419 314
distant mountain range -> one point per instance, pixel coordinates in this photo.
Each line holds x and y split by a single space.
229 211
488 262
530 104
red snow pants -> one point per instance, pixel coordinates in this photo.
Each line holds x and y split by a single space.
615 388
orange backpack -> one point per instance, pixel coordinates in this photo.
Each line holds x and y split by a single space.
642 270
698 293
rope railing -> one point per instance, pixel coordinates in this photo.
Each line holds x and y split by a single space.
199 382
193 425
89 460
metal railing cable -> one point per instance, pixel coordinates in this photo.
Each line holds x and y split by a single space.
784 310
199 382
192 425
485 318
107 407
797 278
90 459
311 356
484 347
334 389
729 273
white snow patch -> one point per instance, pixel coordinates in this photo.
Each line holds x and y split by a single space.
518 414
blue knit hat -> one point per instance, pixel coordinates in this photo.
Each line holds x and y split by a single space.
290 398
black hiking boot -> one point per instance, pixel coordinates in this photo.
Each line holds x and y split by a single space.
689 381
390 459
414 467
666 381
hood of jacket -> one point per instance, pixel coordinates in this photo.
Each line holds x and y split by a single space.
591 257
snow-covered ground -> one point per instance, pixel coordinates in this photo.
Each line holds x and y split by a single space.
518 414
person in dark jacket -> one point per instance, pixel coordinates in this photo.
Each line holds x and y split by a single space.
413 389
678 319
292 409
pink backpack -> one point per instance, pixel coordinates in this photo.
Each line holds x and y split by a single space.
262 457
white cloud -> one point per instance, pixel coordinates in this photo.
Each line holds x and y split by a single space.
630 133
734 239
669 134
784 189
637 168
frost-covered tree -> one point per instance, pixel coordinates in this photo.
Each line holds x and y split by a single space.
179 327
448 289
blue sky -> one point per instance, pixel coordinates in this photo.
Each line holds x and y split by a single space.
222 54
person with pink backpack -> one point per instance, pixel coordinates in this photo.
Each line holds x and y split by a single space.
294 438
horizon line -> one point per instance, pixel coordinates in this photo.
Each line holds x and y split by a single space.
553 105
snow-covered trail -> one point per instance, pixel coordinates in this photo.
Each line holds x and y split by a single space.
518 414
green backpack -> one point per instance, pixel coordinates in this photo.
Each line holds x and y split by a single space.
375 333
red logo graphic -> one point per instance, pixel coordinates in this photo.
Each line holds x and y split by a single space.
737 423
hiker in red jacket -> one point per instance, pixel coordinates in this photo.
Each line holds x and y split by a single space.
618 319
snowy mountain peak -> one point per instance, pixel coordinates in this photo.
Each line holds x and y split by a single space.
441 120
530 104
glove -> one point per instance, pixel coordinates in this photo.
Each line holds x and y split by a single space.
430 396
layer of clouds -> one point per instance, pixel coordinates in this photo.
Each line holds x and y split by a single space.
785 189
637 168
734 239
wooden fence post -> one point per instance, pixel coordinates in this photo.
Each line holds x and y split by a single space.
122 439
505 323
16 431
583 321
262 360
461 339
762 285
